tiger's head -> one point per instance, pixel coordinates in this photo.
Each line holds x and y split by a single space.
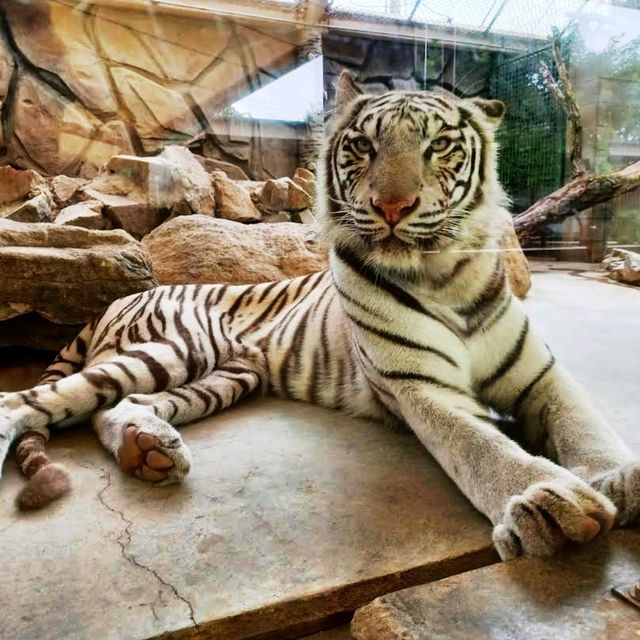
405 174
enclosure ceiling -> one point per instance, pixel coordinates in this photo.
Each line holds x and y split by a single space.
510 25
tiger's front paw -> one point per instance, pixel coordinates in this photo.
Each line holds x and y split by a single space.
153 450
622 487
549 514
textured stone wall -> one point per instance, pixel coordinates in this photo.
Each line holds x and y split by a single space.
380 65
80 82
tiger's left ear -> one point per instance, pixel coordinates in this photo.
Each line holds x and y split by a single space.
346 91
494 110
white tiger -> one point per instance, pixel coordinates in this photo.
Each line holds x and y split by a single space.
414 321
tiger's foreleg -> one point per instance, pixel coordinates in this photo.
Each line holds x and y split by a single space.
139 433
562 420
535 505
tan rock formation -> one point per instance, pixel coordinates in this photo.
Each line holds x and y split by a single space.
200 249
623 266
282 194
233 201
86 214
67 274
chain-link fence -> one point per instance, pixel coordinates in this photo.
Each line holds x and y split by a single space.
532 137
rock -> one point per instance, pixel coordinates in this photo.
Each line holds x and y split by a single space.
305 216
306 180
64 187
54 38
53 130
86 214
139 193
16 184
623 266
202 249
67 274
565 597
7 65
344 48
36 209
160 114
515 262
134 216
232 171
272 218
282 194
164 180
233 201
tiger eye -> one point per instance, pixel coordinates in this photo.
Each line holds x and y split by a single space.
440 144
363 144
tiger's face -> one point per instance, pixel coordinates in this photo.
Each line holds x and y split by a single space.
404 172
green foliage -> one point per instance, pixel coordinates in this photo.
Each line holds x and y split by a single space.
532 136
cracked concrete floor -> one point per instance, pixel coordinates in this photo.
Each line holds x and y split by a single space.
292 515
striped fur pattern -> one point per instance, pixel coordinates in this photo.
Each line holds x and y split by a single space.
414 322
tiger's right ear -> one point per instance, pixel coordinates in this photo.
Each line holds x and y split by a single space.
346 91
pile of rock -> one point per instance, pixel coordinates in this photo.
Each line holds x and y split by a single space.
70 246
623 266
138 194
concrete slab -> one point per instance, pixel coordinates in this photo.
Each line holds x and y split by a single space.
567 597
292 514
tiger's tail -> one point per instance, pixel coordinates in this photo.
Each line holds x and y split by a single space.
47 480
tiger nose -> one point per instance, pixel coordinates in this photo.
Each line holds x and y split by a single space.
393 212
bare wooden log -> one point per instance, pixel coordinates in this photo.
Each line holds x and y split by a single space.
582 192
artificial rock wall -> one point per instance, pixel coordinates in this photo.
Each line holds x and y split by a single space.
80 82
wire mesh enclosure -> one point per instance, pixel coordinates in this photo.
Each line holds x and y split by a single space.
532 137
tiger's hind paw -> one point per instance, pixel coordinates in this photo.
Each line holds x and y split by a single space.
622 486
153 450
548 515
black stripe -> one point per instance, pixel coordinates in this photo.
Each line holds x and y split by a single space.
101 379
205 397
398 293
511 358
404 375
405 342
179 394
279 299
35 405
158 372
517 406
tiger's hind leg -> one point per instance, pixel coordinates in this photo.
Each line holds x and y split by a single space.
48 480
138 431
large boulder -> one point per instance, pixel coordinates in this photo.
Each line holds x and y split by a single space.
64 274
623 266
200 249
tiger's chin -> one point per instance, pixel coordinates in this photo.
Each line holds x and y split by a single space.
394 256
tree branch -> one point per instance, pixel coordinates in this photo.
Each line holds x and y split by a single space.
564 94
582 192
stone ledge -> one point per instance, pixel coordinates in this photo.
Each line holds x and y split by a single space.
567 597
292 514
